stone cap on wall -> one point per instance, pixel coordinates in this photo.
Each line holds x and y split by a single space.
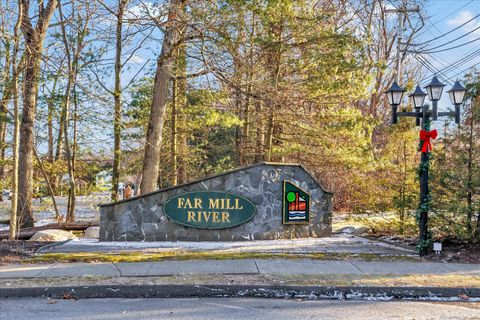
219 175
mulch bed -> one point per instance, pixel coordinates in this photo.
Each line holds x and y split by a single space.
453 250
15 251
457 251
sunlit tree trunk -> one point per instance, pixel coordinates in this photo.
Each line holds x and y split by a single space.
16 126
117 95
34 38
174 133
182 102
150 171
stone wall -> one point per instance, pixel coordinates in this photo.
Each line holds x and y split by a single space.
142 218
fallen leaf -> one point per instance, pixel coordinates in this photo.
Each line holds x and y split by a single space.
463 296
68 296
51 301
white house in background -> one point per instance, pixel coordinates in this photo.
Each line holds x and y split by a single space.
103 179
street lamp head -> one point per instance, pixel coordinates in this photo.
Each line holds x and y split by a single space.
457 93
395 94
418 97
434 89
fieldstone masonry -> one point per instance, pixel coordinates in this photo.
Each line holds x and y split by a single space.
142 218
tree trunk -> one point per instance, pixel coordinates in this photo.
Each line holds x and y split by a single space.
470 209
245 158
58 217
51 110
269 136
477 229
50 132
182 103
34 38
246 127
274 60
59 142
16 129
117 96
260 136
68 153
403 189
72 68
173 138
59 147
7 92
75 119
159 101
25 176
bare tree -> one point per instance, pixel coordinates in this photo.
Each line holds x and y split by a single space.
6 80
73 49
117 96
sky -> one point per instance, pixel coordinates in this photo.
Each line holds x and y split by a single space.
442 16
449 16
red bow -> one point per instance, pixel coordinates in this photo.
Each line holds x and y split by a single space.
425 136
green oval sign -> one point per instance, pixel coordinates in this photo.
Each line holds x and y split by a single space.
209 209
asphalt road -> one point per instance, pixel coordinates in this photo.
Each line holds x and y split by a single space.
220 308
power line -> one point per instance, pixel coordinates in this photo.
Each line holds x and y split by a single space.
447 33
446 49
445 68
457 64
441 72
444 63
426 64
433 25
448 69
458 38
463 71
469 57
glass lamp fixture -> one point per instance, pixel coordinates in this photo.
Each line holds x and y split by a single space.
435 89
418 97
394 94
457 93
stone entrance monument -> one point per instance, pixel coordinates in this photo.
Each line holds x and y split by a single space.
259 202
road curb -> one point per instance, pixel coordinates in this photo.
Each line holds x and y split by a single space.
51 245
252 291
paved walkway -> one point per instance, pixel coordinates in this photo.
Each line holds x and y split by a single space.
340 243
245 266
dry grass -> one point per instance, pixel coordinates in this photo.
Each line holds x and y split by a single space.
452 281
135 256
387 280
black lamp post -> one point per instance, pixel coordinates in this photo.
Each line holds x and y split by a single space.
422 116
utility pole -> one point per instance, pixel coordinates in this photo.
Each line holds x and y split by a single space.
402 11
